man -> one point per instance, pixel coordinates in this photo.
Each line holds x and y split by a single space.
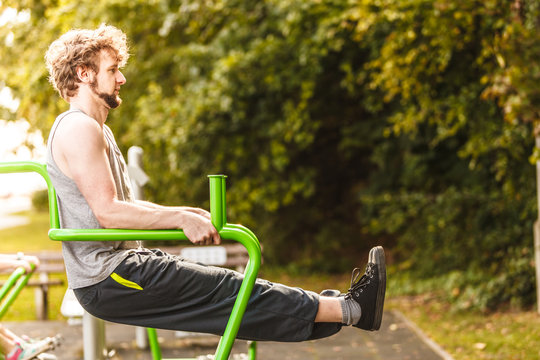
122 282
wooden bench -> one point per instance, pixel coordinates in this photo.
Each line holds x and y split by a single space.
235 254
51 262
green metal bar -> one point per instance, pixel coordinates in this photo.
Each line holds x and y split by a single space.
238 233
15 275
14 283
223 198
252 350
41 169
154 344
115 235
217 201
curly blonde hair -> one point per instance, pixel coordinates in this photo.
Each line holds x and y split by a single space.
81 47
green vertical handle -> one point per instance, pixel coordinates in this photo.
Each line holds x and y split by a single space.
218 209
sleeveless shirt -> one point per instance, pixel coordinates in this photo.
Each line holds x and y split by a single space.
88 262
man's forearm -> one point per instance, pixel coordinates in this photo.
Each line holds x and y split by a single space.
126 215
195 210
145 215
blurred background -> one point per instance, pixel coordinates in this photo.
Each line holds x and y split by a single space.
340 124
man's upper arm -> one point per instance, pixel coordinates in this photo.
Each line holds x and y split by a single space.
80 144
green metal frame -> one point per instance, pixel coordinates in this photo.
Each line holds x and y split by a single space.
12 287
227 231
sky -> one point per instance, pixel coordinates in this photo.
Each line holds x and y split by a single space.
14 139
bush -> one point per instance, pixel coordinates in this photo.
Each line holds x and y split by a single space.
509 285
40 200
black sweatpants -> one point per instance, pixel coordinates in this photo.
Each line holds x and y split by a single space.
159 290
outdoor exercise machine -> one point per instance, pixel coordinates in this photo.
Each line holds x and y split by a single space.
9 293
226 231
12 287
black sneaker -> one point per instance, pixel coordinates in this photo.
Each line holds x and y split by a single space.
369 289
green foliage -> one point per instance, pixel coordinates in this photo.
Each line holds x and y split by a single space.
451 224
339 123
515 83
40 201
506 282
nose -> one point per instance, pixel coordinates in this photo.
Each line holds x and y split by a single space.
120 78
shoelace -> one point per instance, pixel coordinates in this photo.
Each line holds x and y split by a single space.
359 281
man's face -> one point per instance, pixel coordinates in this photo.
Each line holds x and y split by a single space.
106 83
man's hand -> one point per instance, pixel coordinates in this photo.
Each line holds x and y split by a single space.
31 260
23 261
199 229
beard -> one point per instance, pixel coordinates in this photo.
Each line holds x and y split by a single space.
112 100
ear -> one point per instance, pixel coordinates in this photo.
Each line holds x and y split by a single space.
85 74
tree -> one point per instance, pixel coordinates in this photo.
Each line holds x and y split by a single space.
339 123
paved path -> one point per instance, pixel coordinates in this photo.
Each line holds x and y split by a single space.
397 340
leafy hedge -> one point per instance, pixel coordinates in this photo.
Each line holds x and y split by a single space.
341 124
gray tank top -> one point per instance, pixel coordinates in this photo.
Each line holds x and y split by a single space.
88 262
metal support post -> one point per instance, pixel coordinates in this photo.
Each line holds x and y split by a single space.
537 261
136 173
93 338
537 231
138 180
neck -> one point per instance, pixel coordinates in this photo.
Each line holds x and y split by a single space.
90 107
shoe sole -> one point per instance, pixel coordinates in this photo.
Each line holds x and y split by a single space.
376 256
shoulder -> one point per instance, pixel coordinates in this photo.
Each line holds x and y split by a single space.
78 130
78 119
77 125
